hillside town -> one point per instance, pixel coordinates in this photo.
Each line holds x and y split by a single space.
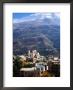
33 64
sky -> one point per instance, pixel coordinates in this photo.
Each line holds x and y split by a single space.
21 17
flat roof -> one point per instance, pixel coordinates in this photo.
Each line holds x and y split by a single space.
28 69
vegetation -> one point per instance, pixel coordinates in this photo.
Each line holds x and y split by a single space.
47 74
28 65
17 64
56 70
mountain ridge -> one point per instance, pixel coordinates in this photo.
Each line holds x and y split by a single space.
42 35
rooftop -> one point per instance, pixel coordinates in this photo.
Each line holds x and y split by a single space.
27 69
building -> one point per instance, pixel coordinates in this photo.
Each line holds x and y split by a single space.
22 58
29 54
29 72
38 56
54 66
56 60
34 52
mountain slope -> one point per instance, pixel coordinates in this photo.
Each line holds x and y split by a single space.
41 32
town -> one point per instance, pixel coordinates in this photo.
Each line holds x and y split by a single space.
33 64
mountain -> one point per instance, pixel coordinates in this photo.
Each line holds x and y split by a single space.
38 31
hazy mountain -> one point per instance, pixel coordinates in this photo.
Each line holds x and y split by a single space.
38 31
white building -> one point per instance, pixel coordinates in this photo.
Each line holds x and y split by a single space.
38 55
29 54
41 67
23 58
34 52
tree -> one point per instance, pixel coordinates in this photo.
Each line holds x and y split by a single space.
17 64
56 70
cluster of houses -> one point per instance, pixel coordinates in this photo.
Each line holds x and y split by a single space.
40 64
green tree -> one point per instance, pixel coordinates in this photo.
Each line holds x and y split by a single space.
17 64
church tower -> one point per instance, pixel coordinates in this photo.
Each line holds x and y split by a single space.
29 54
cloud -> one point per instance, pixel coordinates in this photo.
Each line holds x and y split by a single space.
36 16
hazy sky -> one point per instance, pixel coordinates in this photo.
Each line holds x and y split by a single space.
20 17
